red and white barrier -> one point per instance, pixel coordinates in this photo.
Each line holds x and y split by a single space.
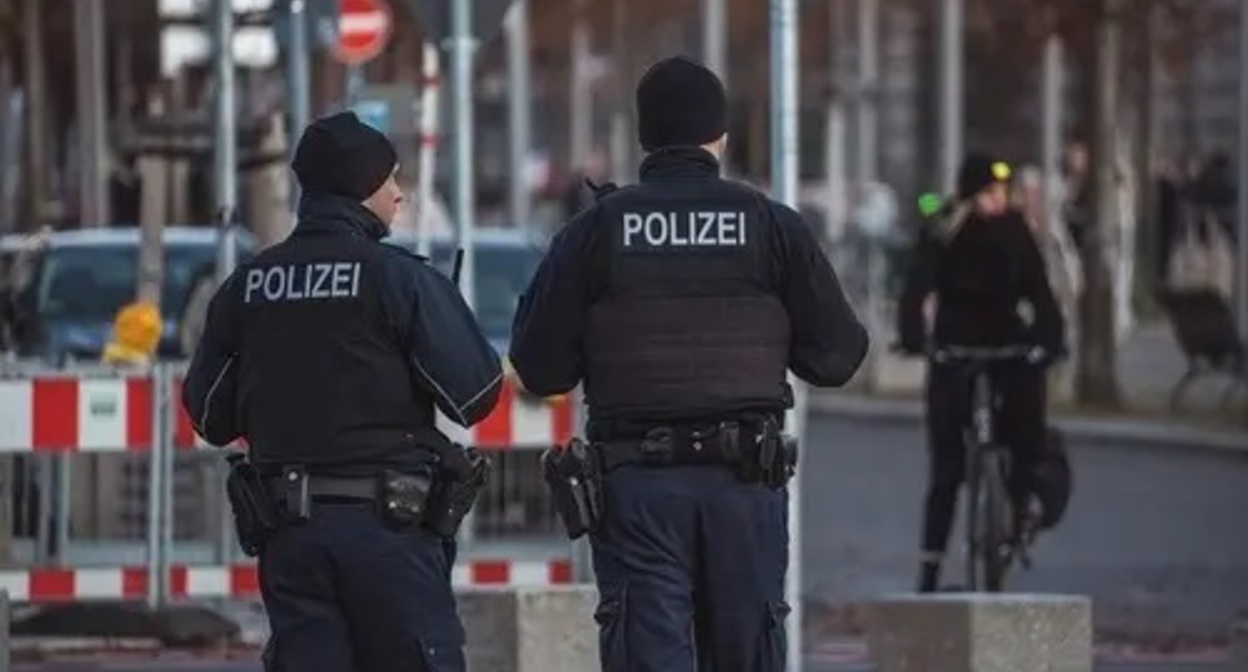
67 414
41 585
58 413
520 421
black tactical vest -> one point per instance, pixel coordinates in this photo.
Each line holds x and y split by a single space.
686 323
322 378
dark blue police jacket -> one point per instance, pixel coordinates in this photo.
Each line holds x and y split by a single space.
331 349
684 296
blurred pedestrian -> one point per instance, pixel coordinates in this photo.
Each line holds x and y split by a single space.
1077 192
1203 254
1062 265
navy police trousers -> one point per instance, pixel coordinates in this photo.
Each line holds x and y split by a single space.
344 593
690 565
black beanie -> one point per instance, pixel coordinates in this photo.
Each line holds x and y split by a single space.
341 155
680 102
977 172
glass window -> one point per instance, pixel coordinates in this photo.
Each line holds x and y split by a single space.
93 283
502 275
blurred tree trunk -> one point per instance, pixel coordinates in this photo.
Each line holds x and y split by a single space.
36 113
1096 381
1146 154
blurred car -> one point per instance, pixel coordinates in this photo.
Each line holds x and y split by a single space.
505 260
65 287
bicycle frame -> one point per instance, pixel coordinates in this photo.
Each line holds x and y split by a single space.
987 506
981 426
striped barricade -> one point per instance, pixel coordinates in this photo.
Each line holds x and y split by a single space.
237 581
59 413
519 421
126 411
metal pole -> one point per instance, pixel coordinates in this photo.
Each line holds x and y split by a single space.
580 98
1051 126
868 76
155 491
5 657
355 83
952 64
519 117
44 532
834 160
64 502
92 113
715 37
582 552
224 159
1241 288
297 72
167 463
429 103
621 128
463 46
784 157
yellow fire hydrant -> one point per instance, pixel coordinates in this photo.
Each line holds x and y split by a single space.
136 333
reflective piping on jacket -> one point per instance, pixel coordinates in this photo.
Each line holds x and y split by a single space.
203 418
457 408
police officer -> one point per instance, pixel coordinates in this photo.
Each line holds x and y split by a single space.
679 302
977 276
328 353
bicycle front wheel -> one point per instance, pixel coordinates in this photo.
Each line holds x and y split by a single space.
993 520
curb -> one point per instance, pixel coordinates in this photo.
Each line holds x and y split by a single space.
1152 432
857 653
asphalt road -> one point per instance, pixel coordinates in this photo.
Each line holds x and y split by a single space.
218 666
1155 534
1105 667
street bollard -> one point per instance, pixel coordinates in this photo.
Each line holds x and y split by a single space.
981 632
540 629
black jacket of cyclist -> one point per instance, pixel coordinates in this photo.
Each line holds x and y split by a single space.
978 279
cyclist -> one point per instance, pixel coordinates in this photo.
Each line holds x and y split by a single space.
977 279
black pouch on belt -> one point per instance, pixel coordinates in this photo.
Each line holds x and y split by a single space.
402 499
575 486
255 514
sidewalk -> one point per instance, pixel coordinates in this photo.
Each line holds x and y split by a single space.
1149 364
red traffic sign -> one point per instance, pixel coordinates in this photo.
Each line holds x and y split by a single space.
363 30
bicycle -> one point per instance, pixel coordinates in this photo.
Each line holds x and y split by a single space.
989 535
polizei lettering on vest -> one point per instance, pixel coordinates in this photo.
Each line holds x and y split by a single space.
688 229
299 282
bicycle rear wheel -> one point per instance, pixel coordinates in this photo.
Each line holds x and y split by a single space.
994 514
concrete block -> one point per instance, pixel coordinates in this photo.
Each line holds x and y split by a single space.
972 632
1239 647
539 629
